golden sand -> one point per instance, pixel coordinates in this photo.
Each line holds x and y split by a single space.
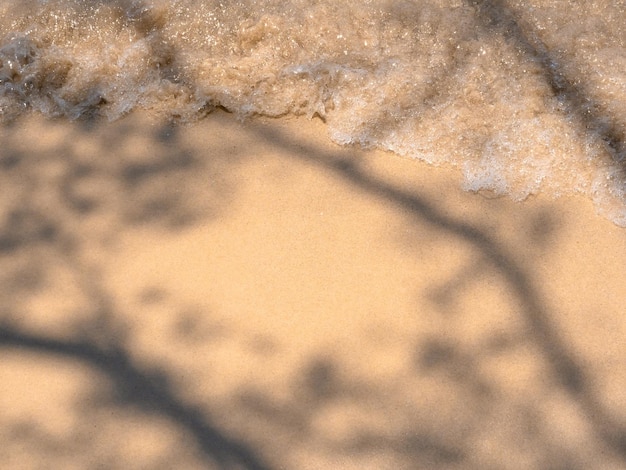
246 293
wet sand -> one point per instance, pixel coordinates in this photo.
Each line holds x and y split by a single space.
247 293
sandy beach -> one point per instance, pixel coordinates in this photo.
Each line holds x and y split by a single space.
249 295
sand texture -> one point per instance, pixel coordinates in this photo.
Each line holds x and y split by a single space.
248 295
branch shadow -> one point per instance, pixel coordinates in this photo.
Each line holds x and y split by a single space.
495 15
564 365
142 182
148 390
72 194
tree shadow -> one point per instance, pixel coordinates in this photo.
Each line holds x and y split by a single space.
63 187
564 366
72 194
137 387
497 16
323 388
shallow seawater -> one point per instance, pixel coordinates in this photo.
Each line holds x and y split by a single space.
523 96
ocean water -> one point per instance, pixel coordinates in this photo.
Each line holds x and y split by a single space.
523 96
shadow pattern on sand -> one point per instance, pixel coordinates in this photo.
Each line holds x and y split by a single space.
47 208
34 242
68 203
148 390
565 368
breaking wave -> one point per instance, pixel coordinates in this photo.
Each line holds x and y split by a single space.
522 96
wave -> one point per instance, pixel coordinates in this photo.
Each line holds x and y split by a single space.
522 96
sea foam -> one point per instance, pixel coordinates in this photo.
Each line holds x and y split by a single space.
522 96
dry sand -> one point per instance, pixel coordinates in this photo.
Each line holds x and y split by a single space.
249 295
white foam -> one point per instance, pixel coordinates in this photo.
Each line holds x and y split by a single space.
425 79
